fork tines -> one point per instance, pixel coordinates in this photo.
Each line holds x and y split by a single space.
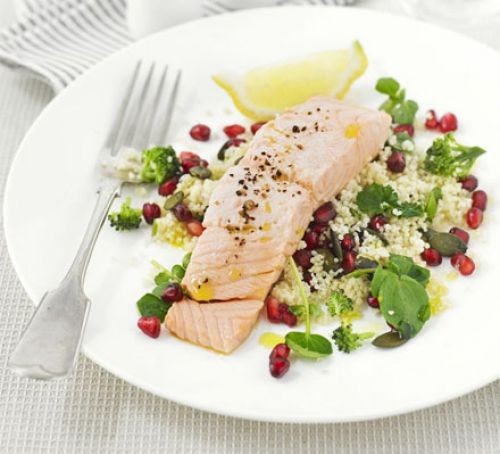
146 109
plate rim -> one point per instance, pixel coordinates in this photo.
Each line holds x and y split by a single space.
163 393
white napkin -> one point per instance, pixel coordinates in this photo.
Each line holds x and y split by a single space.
57 40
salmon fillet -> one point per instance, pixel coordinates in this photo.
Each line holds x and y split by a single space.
260 209
219 326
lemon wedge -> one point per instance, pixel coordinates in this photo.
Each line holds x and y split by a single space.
263 92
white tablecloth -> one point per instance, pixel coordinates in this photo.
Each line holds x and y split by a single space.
94 412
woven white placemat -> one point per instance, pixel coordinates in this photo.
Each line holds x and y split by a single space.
94 412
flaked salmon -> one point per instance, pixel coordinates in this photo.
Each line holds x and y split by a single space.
260 209
219 326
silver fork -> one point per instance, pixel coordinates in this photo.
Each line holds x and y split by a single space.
49 346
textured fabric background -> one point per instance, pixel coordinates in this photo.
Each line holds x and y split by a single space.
94 412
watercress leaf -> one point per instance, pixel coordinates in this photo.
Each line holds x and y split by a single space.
309 345
178 273
150 305
404 112
410 210
163 277
403 303
377 199
387 86
378 279
402 265
431 203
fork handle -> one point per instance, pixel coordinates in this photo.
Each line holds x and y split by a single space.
49 346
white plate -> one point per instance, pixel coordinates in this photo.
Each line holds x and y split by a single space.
50 194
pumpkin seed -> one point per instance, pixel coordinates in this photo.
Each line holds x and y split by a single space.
329 263
336 246
391 339
363 263
221 154
238 160
446 244
379 235
200 172
173 200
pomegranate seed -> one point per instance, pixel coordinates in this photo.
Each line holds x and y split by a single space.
464 264
233 131
479 200
273 310
469 183
236 142
150 326
172 293
312 239
150 211
396 162
318 227
256 126
188 155
279 367
432 257
307 277
188 160
168 187
349 262
474 217
195 228
279 351
373 302
347 242
286 316
203 163
200 132
377 222
448 123
182 212
409 129
325 213
456 258
302 258
462 234
431 121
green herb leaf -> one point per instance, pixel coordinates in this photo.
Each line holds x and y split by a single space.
388 86
431 203
178 273
377 199
151 305
410 210
403 113
309 345
404 303
164 276
402 266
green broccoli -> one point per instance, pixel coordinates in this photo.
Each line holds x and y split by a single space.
339 304
127 218
346 340
159 164
447 157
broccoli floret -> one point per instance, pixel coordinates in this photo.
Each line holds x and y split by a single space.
346 340
339 304
447 157
127 218
159 164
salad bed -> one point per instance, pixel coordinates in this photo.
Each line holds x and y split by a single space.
373 245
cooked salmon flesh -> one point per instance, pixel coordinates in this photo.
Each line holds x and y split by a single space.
260 209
